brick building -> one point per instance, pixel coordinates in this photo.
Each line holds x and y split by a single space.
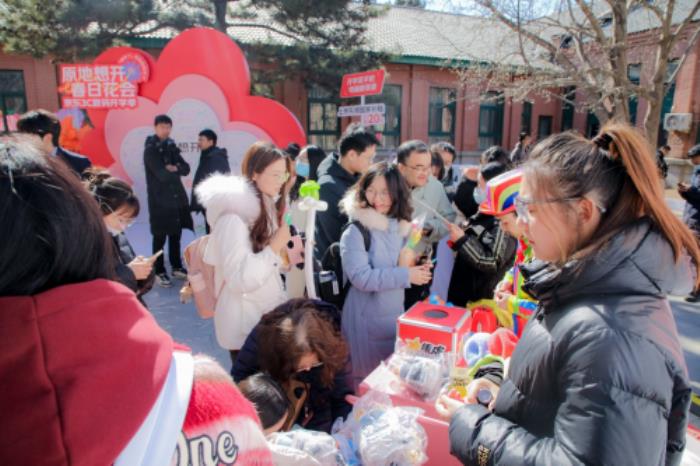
423 97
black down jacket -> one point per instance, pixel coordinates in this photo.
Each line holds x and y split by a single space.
598 377
212 160
124 254
168 206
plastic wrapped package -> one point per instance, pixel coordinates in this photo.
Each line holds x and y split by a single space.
423 374
379 434
304 447
392 437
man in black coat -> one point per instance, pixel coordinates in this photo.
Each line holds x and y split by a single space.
212 160
168 207
336 174
47 126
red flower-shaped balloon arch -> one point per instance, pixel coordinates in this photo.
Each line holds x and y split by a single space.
201 80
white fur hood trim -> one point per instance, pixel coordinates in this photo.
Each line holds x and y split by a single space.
369 217
228 194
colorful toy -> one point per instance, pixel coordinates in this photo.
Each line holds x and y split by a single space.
501 193
503 317
476 347
310 189
416 233
502 342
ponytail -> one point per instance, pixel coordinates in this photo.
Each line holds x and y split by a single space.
617 167
622 142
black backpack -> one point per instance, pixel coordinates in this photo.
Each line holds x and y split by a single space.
330 282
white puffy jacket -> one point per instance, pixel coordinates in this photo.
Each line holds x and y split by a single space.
252 282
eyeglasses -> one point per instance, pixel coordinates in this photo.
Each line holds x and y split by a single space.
522 205
420 168
282 177
376 194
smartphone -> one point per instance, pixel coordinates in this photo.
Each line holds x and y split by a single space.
155 256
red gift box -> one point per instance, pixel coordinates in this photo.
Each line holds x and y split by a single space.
433 329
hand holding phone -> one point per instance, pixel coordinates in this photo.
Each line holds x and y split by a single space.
155 257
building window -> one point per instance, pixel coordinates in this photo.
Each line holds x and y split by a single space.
441 115
592 125
526 118
324 127
490 121
667 104
13 100
391 129
544 126
634 74
567 110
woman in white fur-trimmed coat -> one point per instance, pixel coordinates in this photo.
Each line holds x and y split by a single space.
248 235
381 203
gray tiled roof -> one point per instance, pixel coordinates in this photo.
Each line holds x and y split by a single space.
415 32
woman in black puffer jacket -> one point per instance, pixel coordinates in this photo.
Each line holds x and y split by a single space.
599 375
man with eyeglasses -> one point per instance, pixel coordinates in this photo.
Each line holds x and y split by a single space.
429 199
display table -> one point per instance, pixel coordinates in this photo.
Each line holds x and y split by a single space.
437 429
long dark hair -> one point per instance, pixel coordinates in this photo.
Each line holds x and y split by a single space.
401 208
52 230
111 193
617 167
295 328
258 157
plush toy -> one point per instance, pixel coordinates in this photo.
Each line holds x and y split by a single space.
502 342
476 347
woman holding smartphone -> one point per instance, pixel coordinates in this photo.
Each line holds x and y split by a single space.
119 207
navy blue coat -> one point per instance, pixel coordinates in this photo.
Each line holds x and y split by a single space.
326 403
334 181
212 160
76 162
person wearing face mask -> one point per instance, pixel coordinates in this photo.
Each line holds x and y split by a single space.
300 346
248 236
120 206
484 250
306 167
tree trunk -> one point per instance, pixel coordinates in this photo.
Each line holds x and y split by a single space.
220 13
652 119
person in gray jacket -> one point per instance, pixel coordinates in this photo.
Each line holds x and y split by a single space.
428 197
598 376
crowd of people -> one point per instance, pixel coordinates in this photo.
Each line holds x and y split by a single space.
570 237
